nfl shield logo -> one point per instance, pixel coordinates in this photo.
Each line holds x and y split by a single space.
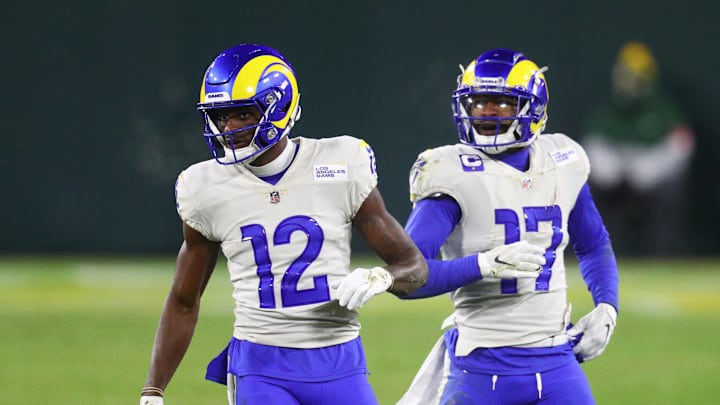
274 197
526 183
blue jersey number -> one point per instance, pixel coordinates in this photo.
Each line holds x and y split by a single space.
290 295
533 216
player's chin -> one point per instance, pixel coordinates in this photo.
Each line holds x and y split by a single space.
489 132
235 144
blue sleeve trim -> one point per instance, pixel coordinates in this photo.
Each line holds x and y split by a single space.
592 246
448 275
430 223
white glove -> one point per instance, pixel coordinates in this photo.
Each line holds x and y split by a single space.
151 400
355 289
592 332
516 260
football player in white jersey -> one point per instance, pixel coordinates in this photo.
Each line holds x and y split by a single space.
281 211
503 187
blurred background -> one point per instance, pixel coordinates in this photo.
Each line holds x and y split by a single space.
100 99
99 118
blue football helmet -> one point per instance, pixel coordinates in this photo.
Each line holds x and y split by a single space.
508 73
249 75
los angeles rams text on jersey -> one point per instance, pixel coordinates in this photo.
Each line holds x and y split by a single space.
501 205
285 243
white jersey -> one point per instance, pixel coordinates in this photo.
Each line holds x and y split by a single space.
501 205
286 243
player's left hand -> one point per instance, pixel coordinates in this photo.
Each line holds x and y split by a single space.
360 285
592 332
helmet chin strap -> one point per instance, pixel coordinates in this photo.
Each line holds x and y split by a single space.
277 165
283 160
231 155
505 137
246 155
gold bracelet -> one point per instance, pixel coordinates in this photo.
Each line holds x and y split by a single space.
151 390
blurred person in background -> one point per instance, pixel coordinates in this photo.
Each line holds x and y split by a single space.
506 184
281 211
640 146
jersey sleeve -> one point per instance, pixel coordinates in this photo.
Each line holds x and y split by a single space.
584 160
429 224
186 208
429 176
364 176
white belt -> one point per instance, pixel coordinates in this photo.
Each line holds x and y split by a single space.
547 342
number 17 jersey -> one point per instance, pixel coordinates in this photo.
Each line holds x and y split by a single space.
501 205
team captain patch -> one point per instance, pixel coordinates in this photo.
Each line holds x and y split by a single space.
334 172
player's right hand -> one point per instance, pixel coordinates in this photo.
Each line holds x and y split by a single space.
516 260
360 285
144 400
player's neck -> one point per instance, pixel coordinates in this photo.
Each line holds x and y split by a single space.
518 158
277 165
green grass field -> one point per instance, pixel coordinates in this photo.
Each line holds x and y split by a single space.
80 331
